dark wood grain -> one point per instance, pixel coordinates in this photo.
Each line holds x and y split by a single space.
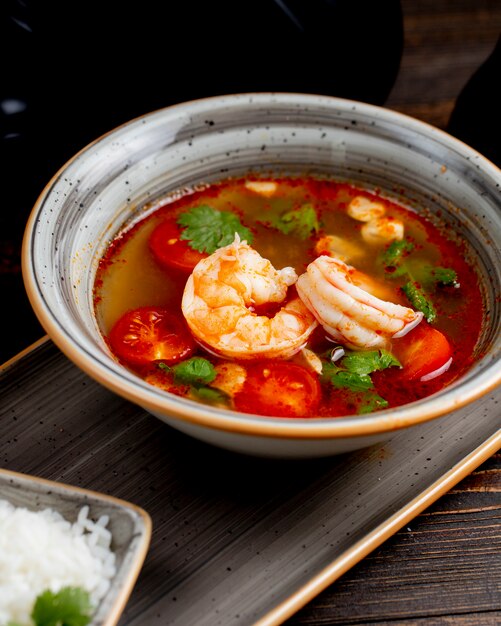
446 563
445 42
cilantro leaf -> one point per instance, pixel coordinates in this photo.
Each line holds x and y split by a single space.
428 277
417 297
352 381
210 394
371 402
387 359
442 276
396 251
206 229
194 371
361 363
394 255
352 374
445 276
300 222
68 607
328 371
368 361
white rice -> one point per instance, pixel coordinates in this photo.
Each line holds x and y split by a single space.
42 550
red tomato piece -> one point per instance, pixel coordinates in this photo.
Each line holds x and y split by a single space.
422 351
279 389
148 334
169 250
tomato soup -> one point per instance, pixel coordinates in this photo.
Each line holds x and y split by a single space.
289 297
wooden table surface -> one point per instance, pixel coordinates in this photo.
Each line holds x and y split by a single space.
445 567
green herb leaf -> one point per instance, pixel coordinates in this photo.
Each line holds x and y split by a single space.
207 230
328 371
210 394
396 251
68 607
366 362
445 276
351 381
428 276
417 297
371 402
442 276
394 255
299 222
352 374
361 362
194 371
387 359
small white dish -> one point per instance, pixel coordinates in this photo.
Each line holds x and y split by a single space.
130 527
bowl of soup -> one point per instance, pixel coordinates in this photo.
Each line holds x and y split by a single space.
276 274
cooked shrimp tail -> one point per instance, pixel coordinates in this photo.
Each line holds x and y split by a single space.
348 313
219 297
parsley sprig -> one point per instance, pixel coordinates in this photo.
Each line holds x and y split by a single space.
300 222
393 257
194 371
369 361
198 373
419 300
70 606
352 373
207 230
420 279
431 276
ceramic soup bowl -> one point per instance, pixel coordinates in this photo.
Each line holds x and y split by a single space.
110 182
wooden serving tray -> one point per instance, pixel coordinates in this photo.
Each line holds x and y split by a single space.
236 540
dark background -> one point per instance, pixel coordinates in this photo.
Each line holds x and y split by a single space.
72 71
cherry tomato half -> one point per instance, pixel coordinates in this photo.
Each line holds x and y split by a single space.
171 251
148 334
279 389
422 351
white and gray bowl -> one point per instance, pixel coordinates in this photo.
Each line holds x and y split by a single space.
111 181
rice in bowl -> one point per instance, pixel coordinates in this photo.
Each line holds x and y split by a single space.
42 551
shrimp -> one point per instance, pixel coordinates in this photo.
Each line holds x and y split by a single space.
382 230
335 246
263 187
377 229
219 296
364 210
348 313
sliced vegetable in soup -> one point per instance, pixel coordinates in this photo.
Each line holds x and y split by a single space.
293 297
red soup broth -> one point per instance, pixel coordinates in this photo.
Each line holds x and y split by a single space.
291 221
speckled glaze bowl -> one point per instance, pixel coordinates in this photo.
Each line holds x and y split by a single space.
110 182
